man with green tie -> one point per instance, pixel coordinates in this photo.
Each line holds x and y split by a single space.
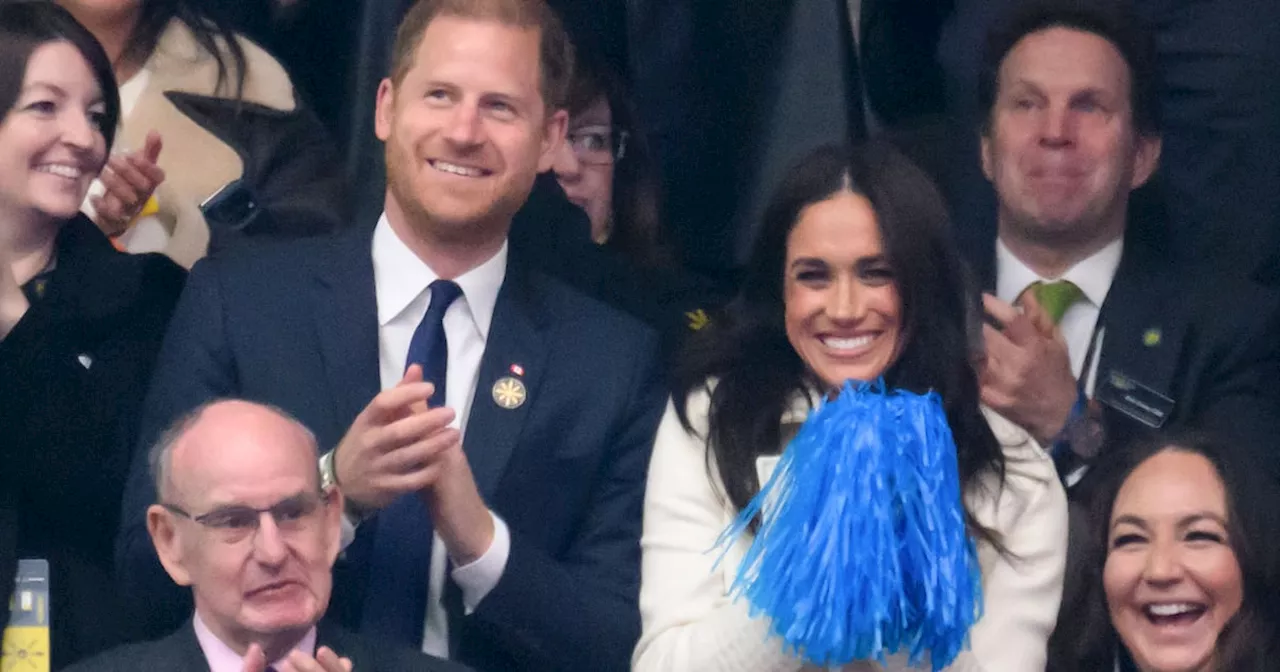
1092 333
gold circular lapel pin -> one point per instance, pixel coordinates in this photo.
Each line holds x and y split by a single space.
509 392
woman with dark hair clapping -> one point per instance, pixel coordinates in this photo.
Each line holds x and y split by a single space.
1181 568
80 323
899 510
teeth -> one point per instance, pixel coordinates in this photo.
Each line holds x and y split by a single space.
1171 609
456 169
70 172
847 343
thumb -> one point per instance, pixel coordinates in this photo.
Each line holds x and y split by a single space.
413 374
1038 316
151 150
254 660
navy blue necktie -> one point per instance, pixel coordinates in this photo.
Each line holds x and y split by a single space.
395 604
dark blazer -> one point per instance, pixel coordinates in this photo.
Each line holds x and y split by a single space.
1218 352
181 652
296 326
73 372
1220 161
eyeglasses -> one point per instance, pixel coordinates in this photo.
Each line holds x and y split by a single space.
598 145
237 522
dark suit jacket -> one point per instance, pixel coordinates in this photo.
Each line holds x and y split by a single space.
296 326
1218 356
1220 162
73 373
180 652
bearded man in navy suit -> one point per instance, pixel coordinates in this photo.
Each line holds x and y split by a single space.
489 426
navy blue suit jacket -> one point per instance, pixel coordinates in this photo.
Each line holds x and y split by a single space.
296 326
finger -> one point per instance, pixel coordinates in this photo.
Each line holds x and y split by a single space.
1037 315
1001 310
151 150
149 171
127 169
413 481
331 662
254 659
415 427
109 215
118 186
412 374
393 403
417 455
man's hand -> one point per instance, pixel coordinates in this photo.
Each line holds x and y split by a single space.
1027 374
458 512
393 447
130 179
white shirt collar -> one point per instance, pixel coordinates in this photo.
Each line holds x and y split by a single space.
1093 275
222 658
400 277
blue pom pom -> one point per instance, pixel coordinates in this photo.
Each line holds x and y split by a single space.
863 549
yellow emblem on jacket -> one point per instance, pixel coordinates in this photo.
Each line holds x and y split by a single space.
509 392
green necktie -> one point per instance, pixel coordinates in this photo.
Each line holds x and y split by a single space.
1056 297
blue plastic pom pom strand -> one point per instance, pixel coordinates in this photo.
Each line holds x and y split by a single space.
863 550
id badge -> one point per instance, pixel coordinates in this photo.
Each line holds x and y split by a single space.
1134 399
26 639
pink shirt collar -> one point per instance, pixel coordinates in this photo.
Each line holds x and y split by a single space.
223 659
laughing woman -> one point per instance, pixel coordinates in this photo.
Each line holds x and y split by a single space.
1182 565
853 278
80 323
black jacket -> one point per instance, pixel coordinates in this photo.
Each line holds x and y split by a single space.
73 372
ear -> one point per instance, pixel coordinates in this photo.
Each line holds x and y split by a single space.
1145 159
333 525
168 543
384 109
986 156
553 132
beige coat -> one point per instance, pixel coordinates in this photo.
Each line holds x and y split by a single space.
196 162
690 623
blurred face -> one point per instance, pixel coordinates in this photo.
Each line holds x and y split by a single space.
584 166
257 577
1171 577
51 142
1062 150
843 313
467 130
101 9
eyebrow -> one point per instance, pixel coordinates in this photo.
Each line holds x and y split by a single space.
57 91
1183 522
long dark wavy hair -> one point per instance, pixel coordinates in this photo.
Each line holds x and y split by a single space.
758 372
636 228
1086 641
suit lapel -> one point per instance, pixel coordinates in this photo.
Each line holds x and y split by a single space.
183 648
516 349
1144 325
345 308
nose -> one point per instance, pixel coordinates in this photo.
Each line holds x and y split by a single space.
268 543
1058 129
79 130
1164 564
464 125
846 301
566 166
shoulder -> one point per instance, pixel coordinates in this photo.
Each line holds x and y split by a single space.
179 55
381 656
159 654
1030 480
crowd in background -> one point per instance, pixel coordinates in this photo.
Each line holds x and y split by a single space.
454 334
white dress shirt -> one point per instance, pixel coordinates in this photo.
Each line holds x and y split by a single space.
1093 275
401 280
223 658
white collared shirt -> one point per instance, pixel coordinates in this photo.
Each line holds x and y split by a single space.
222 658
400 281
1093 275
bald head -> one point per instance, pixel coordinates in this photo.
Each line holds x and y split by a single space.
227 430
